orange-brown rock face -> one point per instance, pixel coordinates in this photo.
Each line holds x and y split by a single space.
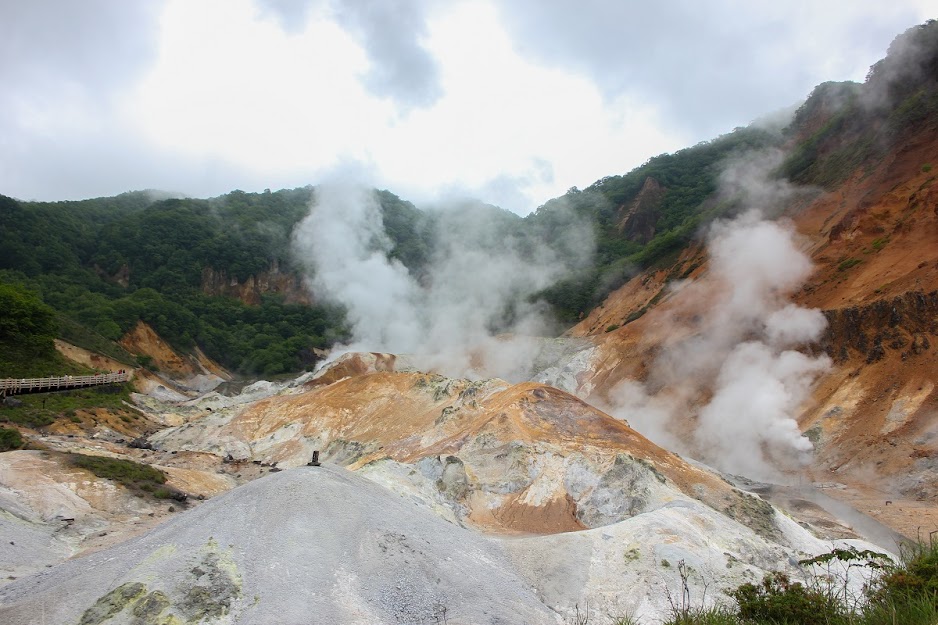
510 458
249 291
197 370
143 340
873 416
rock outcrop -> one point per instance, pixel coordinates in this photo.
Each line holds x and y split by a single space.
525 458
181 372
907 324
290 285
637 220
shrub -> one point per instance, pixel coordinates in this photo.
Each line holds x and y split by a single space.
916 580
146 362
163 493
778 599
126 472
704 616
140 479
848 263
10 439
636 314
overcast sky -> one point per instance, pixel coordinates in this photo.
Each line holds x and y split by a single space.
510 101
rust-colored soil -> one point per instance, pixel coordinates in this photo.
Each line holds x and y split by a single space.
142 339
409 416
874 242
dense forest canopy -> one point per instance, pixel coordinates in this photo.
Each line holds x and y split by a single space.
71 252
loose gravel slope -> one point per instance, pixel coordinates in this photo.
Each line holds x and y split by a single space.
308 545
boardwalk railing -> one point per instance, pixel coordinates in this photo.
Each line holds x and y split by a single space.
12 386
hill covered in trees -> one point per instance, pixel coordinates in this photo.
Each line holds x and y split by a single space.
105 264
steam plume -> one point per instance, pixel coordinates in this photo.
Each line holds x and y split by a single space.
478 288
737 360
344 241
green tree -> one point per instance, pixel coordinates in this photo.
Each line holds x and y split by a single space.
27 324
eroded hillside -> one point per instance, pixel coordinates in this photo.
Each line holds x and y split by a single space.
873 244
536 485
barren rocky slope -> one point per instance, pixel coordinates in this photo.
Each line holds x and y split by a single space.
516 458
873 241
311 543
527 465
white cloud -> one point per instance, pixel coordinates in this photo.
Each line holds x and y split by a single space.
230 83
487 98
710 66
271 102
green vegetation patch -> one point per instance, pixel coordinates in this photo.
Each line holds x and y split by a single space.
126 472
913 584
83 336
42 409
103 265
903 593
141 479
778 599
636 314
880 243
10 439
689 179
848 263
27 336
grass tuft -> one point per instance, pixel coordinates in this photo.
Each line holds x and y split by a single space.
141 479
904 593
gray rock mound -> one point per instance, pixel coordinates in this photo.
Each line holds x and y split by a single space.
306 545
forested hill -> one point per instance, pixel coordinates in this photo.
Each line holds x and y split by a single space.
104 264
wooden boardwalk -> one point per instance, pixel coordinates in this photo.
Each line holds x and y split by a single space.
14 386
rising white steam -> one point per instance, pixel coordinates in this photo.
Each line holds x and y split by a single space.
748 425
344 240
478 284
736 379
